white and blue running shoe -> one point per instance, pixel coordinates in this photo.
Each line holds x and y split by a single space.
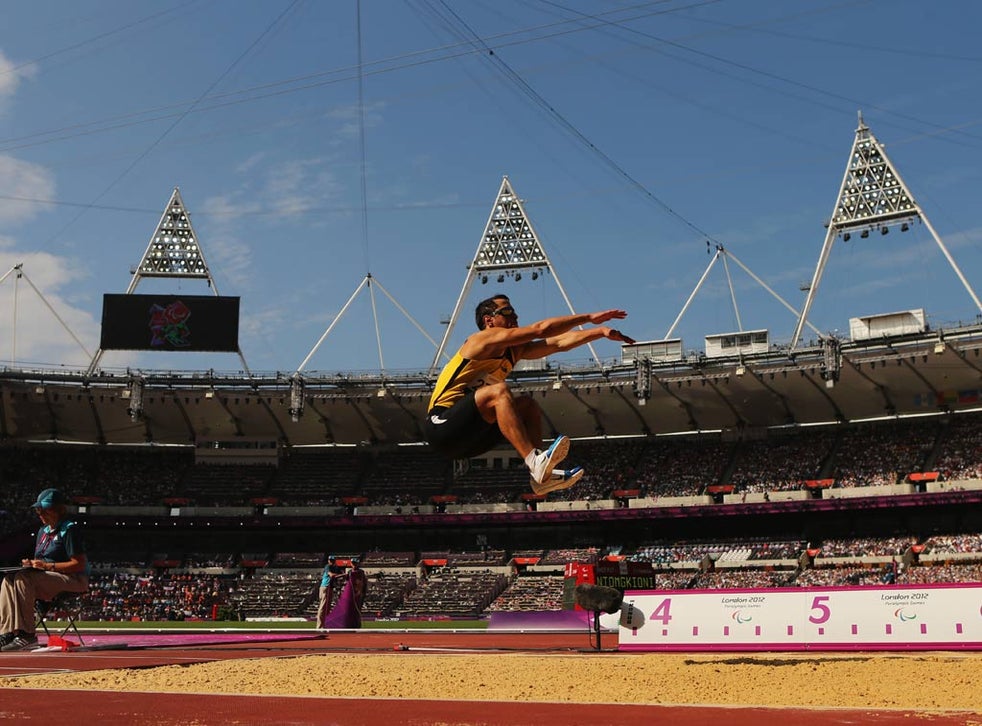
546 461
560 479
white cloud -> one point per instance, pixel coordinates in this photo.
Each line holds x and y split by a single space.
30 329
227 256
350 121
284 188
295 186
11 76
22 182
249 164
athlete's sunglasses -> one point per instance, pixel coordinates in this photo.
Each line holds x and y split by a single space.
505 312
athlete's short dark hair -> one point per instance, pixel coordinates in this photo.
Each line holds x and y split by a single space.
487 307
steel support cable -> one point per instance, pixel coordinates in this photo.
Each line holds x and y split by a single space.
568 126
160 138
767 74
163 112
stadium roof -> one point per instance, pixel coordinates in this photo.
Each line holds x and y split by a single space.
929 372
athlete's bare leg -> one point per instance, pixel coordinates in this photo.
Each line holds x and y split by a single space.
531 415
518 418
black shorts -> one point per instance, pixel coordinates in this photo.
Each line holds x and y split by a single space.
460 431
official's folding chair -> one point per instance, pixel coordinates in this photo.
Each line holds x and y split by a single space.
64 607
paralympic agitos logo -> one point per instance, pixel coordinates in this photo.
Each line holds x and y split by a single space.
902 615
740 617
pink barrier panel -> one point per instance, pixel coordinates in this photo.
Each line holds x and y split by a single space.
903 617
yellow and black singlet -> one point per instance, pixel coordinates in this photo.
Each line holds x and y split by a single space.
461 375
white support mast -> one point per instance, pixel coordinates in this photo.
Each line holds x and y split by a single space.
18 272
722 253
371 283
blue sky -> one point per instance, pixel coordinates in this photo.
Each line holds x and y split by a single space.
634 133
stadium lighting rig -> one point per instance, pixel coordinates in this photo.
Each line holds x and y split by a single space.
173 250
135 395
296 398
831 360
642 380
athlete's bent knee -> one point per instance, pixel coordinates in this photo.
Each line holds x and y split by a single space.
495 392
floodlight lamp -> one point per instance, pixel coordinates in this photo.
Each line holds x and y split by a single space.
904 227
864 234
846 237
484 279
501 278
884 230
535 275
518 276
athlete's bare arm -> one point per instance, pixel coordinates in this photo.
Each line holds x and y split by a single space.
494 340
571 339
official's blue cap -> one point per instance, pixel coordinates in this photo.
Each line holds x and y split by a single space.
50 498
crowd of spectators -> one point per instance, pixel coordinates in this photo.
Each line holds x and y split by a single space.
741 578
531 593
570 554
959 457
867 546
608 469
452 592
951 544
852 455
874 455
782 463
682 466
386 591
717 551
473 587
149 595
268 594
846 576
947 573
202 560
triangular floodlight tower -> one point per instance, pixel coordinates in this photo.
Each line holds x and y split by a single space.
174 251
872 196
508 246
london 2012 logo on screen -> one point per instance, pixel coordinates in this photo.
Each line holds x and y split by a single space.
169 325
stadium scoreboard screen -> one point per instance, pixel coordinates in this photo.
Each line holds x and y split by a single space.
170 322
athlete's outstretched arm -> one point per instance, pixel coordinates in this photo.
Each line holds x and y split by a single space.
492 341
572 339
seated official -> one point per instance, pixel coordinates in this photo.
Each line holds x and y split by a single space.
59 565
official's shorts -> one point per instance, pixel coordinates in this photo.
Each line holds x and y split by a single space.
459 432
